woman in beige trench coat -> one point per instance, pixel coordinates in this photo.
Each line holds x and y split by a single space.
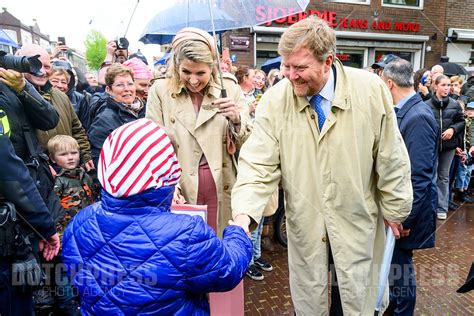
204 128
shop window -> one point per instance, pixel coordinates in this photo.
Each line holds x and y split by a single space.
418 4
380 54
351 58
349 1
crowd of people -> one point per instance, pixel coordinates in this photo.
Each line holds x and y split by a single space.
93 166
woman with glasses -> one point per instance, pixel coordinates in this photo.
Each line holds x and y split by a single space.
122 107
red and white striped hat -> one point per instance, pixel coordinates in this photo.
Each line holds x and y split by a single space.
135 157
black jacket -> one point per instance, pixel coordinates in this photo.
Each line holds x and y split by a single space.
112 116
27 112
17 187
448 114
30 110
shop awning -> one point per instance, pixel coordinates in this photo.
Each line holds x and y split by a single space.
466 35
353 35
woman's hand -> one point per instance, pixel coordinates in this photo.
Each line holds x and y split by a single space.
252 107
447 134
228 109
423 89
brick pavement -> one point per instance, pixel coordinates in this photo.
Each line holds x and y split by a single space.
440 272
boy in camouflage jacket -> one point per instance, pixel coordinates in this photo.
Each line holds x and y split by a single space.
74 187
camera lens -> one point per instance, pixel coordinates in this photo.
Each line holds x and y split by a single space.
27 64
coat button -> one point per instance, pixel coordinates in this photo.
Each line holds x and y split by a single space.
312 116
224 165
226 187
172 120
324 239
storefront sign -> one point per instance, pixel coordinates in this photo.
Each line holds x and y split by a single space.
267 13
240 43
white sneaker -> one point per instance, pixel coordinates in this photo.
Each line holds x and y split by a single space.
442 215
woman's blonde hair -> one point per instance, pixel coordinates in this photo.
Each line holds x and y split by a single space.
272 74
311 33
457 79
439 78
196 51
61 142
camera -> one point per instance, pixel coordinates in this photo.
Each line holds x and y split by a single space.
122 43
26 64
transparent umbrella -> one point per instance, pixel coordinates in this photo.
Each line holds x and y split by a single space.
217 16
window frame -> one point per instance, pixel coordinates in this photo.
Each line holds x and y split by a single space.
401 6
366 2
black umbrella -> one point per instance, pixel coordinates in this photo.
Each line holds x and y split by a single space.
452 69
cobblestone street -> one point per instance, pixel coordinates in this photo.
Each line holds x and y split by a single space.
440 272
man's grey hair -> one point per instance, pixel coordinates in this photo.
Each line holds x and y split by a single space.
400 72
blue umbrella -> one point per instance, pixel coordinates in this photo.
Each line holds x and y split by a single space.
216 16
271 63
6 40
164 59
163 27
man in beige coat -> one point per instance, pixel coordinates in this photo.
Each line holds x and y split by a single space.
343 165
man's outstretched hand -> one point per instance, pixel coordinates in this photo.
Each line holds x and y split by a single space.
242 220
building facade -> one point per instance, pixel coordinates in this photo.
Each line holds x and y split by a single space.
460 32
366 31
23 34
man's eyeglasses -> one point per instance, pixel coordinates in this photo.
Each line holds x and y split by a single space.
123 85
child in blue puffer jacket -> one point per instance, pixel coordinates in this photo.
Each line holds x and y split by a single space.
129 255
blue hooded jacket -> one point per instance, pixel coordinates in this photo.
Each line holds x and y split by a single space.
131 256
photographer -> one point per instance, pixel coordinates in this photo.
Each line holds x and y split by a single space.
28 112
117 52
69 123
18 188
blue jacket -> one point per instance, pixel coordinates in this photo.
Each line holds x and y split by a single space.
421 134
132 256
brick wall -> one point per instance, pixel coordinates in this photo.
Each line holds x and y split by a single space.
243 57
432 22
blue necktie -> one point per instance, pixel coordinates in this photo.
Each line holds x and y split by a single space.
316 103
